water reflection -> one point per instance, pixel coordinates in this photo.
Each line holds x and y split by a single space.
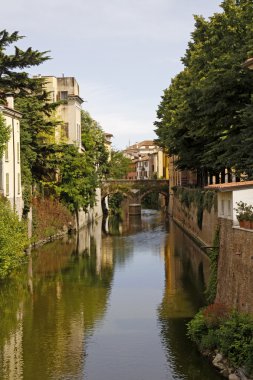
47 315
186 276
56 312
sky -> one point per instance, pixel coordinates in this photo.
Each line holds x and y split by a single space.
123 53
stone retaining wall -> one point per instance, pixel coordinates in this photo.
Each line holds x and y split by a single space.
235 269
187 218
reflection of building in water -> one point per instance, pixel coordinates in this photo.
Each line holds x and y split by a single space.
83 240
107 252
176 302
67 297
186 272
186 269
92 237
12 353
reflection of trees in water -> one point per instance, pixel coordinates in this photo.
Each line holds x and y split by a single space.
47 314
185 268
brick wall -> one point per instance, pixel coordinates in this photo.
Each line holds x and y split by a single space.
187 218
235 269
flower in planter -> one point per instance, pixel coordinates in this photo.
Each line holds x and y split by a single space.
244 214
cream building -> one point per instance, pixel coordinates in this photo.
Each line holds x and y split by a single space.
150 160
10 168
108 143
66 89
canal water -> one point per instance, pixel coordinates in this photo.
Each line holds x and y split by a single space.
110 304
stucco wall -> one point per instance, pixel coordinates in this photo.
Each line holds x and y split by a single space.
86 217
235 269
10 182
187 218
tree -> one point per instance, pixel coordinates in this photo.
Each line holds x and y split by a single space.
13 240
119 165
12 78
37 134
4 135
202 116
93 140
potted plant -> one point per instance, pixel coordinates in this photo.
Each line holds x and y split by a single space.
244 214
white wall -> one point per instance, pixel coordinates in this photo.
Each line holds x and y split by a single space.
225 205
10 165
244 195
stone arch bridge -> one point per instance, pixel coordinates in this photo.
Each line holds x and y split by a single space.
135 190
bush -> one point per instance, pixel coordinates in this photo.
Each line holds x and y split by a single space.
197 328
50 217
215 314
231 333
13 240
236 338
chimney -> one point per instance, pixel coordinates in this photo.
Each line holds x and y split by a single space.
10 101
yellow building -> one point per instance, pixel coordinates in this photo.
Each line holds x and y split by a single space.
66 89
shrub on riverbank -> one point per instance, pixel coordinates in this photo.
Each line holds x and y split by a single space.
13 239
229 332
50 217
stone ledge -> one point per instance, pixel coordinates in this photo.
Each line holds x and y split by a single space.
242 229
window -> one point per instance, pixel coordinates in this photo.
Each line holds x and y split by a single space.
78 133
65 130
7 152
64 95
7 184
19 184
18 153
222 207
229 207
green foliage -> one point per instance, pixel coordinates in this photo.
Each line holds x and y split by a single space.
4 135
119 165
151 201
201 199
93 140
213 255
231 333
197 328
236 339
49 217
244 211
206 114
37 130
13 240
12 78
71 175
73 179
115 203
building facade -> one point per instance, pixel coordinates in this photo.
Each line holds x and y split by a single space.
10 166
149 161
66 89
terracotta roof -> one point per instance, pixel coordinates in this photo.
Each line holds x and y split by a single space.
140 144
248 63
230 186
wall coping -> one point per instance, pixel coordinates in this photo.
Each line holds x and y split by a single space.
242 229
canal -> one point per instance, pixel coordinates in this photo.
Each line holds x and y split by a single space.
110 304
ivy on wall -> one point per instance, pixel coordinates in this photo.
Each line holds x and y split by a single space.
201 199
213 255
